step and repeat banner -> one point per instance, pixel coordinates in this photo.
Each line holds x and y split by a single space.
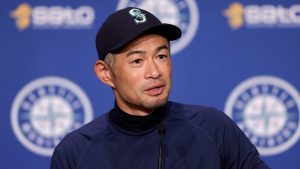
242 57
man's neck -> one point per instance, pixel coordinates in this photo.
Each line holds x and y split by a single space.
134 124
134 110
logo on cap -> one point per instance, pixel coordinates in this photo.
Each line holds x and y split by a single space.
138 15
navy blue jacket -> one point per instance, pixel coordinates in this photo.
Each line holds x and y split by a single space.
196 137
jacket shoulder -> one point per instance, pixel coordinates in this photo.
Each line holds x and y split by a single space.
235 149
201 114
68 152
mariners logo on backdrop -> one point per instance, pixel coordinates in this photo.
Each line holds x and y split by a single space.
262 16
45 110
183 13
53 17
266 108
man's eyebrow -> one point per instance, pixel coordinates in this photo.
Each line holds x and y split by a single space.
135 52
162 47
142 52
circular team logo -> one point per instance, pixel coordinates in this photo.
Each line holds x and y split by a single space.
183 13
266 108
45 110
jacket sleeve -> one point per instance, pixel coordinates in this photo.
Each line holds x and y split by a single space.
235 149
237 152
68 152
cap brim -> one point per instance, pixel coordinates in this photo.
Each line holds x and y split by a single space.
169 31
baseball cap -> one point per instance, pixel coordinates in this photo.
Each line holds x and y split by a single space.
125 25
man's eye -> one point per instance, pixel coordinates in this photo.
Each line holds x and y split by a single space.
137 61
162 56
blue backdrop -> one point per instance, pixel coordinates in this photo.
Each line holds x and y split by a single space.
241 57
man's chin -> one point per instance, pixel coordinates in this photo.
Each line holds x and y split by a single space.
155 103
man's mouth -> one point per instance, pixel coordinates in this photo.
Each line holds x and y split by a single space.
155 90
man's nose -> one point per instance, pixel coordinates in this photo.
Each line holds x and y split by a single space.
152 70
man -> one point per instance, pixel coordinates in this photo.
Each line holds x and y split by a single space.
144 130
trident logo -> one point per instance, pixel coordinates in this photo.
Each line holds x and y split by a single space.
138 15
22 15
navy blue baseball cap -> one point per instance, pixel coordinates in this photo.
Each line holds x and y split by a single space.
125 25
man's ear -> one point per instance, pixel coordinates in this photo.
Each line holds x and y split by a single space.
104 73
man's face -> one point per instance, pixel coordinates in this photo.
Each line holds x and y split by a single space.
142 75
